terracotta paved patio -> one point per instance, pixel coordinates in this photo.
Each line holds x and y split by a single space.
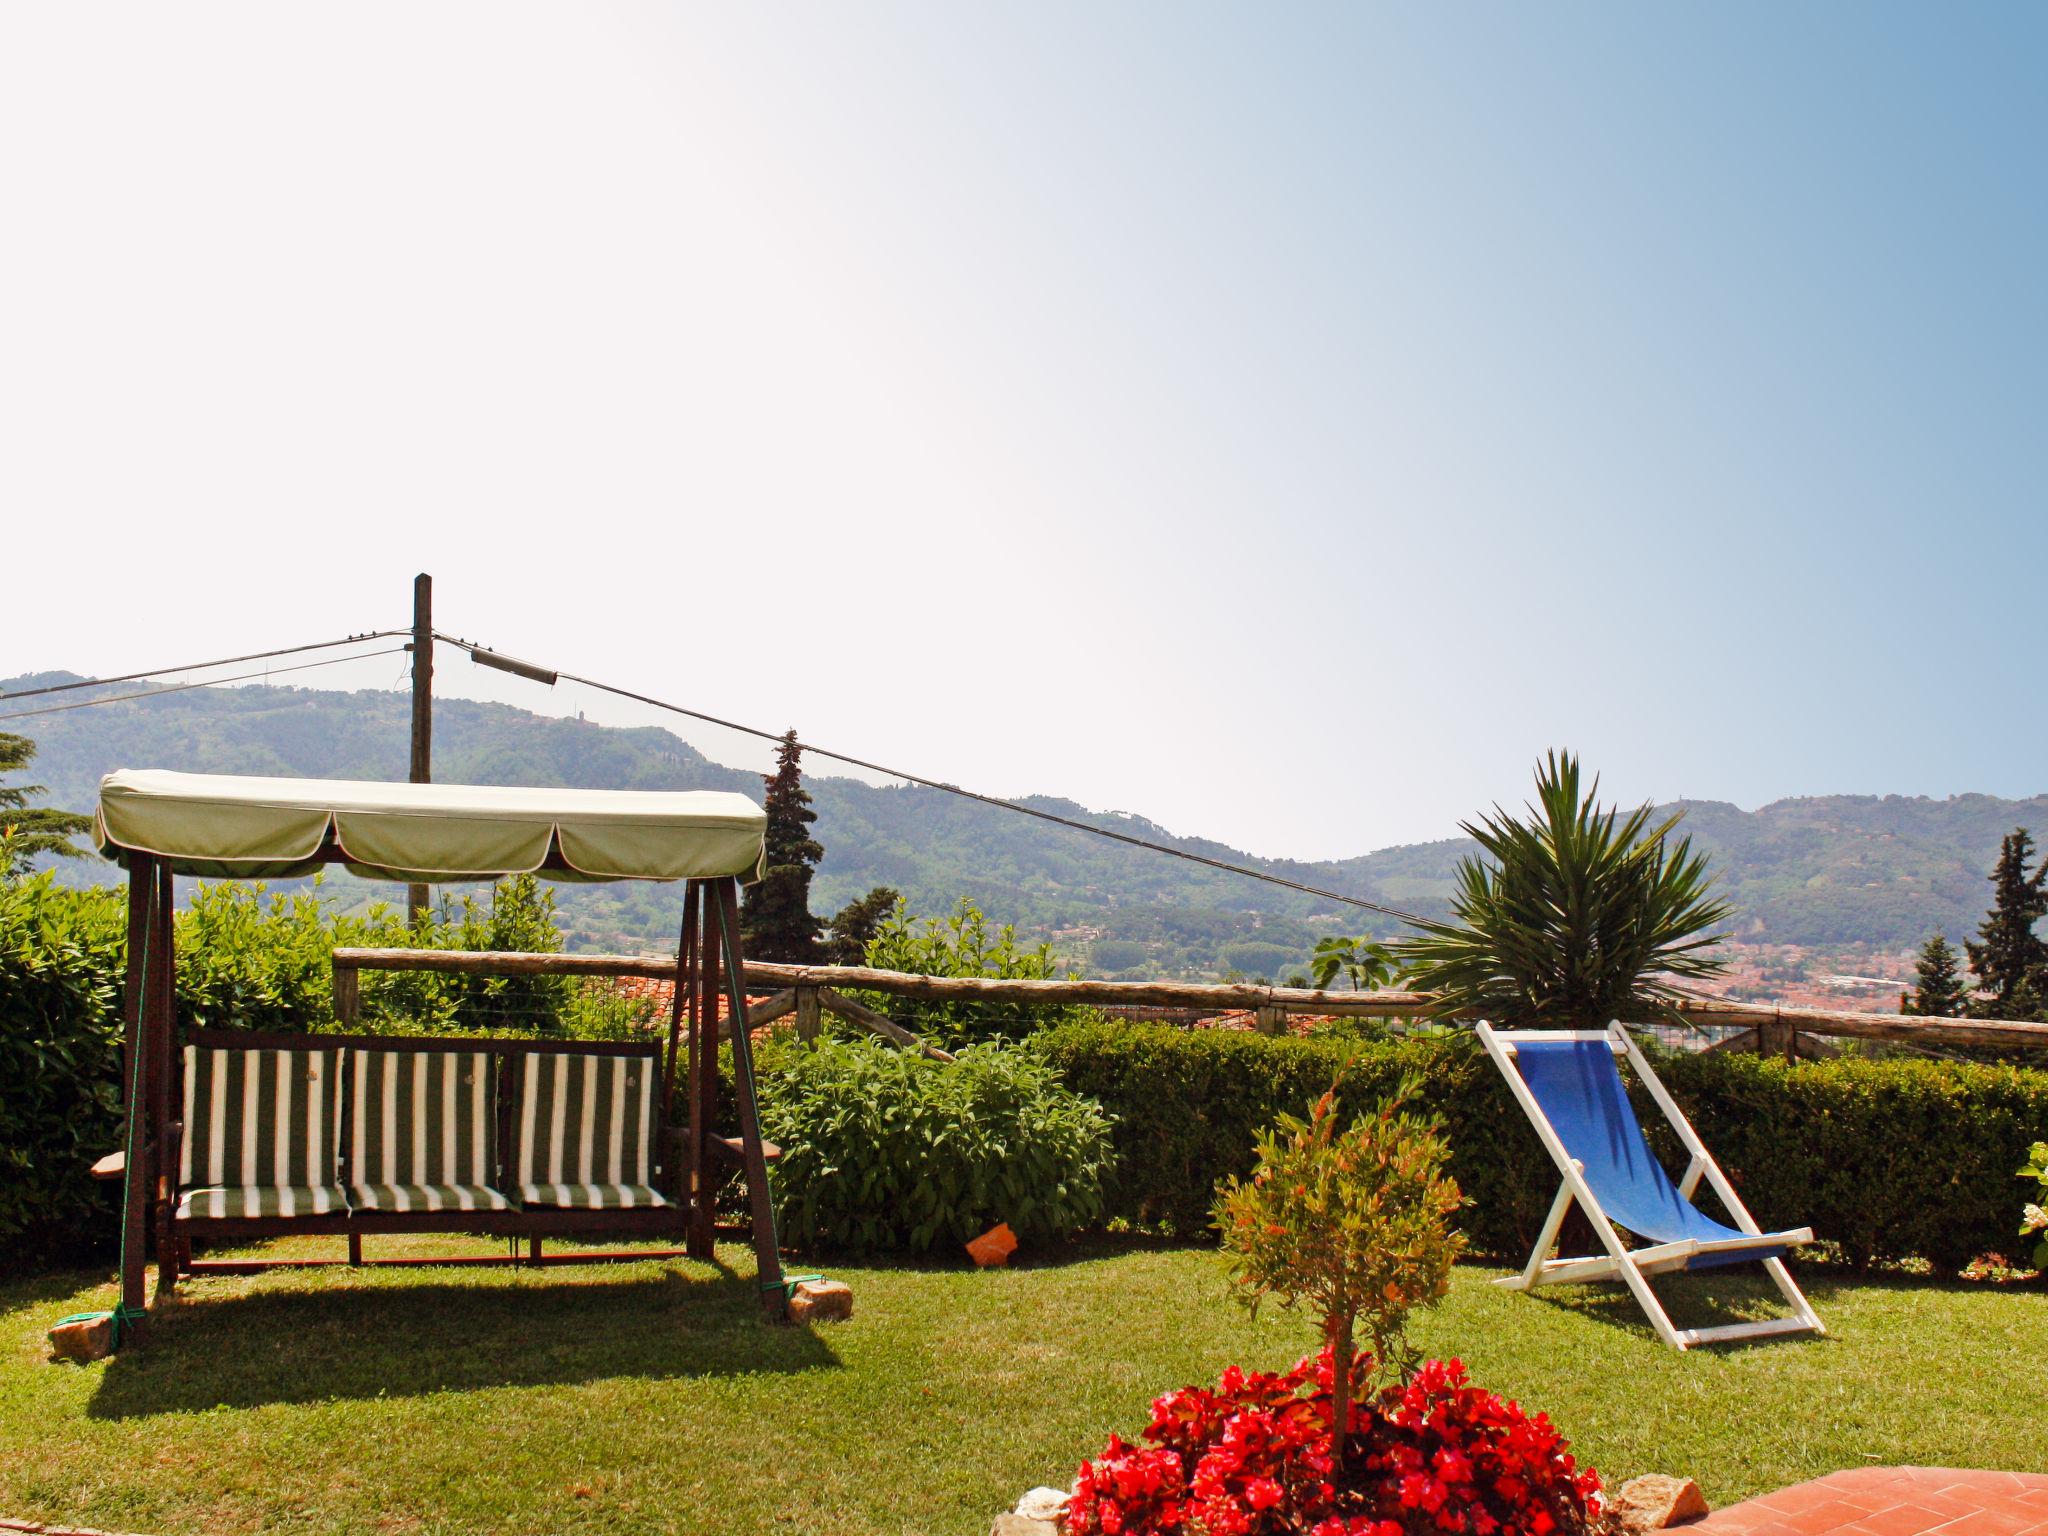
1892 1501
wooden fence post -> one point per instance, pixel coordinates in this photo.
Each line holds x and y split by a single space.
807 1013
348 996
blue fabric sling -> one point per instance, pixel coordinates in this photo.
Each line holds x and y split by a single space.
1581 1093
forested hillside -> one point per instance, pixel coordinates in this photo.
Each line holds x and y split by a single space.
1834 870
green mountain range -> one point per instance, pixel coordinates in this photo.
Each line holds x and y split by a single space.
1833 871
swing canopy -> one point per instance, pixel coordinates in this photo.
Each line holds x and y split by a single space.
233 827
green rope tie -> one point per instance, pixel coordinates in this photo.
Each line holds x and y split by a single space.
124 1318
788 1283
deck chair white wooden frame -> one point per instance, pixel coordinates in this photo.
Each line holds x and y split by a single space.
1634 1266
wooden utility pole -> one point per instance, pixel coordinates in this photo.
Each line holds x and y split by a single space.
422 649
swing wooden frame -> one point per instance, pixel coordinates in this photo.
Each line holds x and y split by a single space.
696 1162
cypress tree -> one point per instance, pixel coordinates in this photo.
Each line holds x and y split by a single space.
26 830
2009 957
855 924
776 921
1940 992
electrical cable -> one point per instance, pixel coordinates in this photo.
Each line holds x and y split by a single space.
157 693
201 666
966 794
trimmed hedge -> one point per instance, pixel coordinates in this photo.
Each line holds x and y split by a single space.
1889 1160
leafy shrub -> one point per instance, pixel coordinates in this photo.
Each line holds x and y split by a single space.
963 945
1354 1221
885 1149
2032 1218
61 958
1888 1160
1434 1457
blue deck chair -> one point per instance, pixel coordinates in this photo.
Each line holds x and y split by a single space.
1569 1085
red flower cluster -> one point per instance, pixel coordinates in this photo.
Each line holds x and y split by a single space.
1434 1457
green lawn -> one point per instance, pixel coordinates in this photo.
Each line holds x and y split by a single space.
647 1398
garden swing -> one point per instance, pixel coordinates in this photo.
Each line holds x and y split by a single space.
233 1134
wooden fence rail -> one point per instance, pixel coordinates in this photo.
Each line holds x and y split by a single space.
814 987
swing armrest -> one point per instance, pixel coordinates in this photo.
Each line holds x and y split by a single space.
728 1149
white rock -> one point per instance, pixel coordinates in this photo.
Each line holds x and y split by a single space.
1042 1504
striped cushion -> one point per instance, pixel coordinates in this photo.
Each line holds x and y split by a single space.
427 1197
423 1131
259 1118
261 1200
586 1130
592 1197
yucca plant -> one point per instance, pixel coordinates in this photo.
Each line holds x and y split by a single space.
1572 917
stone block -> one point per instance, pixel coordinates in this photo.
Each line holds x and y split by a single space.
85 1341
821 1301
1654 1502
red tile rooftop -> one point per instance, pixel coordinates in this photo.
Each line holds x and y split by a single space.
1892 1501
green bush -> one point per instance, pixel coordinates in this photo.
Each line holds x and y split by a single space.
963 945
886 1149
61 958
1888 1160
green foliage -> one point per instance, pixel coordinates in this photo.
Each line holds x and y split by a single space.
61 958
1353 1222
1939 991
963 945
2032 1218
1581 915
854 926
1258 958
887 1149
2009 957
1887 1159
26 831
776 921
252 958
1367 966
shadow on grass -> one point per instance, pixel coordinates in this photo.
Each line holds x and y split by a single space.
20 1290
1709 1299
401 1340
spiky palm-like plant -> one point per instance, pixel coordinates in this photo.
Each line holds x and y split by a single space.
1572 917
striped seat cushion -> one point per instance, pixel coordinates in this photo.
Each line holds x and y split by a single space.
592 1197
587 1132
260 1120
262 1200
427 1197
422 1131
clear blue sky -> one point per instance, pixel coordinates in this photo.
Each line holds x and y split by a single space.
1176 407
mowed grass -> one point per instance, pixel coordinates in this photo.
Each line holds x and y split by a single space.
647 1397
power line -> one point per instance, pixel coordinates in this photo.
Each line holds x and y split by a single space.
529 669
157 693
201 666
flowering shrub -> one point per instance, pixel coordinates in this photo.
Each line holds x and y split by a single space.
1353 1221
1435 1456
2032 1218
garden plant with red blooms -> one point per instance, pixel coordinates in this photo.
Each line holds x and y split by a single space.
1433 1456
